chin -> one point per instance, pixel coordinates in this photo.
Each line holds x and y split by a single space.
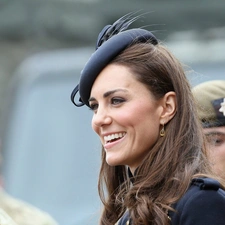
114 162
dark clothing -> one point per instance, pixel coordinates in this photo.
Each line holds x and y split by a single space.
202 204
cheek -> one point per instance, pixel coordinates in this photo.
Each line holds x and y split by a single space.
94 127
220 152
215 154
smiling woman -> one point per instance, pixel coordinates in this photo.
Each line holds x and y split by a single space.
154 159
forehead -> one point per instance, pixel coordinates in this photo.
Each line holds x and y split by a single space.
117 77
114 76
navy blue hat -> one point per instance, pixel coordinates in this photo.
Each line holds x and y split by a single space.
112 40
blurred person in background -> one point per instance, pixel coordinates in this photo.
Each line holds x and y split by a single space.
210 98
21 212
5 219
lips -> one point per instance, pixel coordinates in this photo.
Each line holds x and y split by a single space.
113 137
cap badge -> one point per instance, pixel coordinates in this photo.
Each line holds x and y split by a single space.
222 108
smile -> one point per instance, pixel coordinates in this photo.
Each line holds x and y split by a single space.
113 137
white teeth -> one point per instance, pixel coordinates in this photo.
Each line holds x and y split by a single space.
113 136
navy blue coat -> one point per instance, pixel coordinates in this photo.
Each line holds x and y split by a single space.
202 204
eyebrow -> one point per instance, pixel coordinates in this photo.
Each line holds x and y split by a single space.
215 133
108 93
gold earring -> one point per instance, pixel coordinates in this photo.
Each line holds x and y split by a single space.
162 132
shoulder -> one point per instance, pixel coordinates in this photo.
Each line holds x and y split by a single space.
203 203
200 188
23 213
204 194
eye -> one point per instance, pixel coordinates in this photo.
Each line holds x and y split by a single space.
215 140
117 101
218 141
93 106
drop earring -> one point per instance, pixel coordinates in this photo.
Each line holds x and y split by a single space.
162 131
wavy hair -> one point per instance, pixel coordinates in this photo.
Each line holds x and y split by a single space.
166 172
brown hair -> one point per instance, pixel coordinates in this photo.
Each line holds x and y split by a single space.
165 174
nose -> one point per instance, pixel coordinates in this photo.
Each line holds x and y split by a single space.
101 117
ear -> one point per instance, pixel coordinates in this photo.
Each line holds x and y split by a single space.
169 105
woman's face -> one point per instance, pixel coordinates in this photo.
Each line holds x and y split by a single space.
126 116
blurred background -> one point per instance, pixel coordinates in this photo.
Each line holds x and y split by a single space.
50 155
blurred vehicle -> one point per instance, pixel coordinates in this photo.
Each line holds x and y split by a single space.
51 155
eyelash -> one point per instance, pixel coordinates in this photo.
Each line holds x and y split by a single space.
116 100
113 101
